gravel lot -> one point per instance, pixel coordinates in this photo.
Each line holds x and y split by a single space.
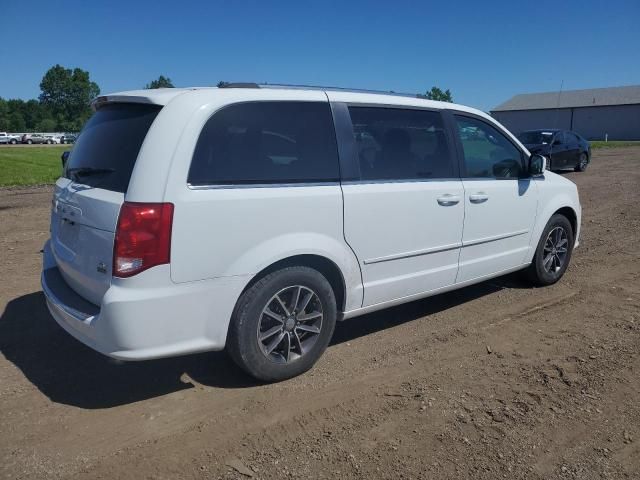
494 381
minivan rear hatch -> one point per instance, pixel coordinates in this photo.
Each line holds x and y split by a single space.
87 199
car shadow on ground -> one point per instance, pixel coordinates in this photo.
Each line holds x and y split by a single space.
70 373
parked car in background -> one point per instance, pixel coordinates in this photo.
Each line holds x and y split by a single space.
253 219
564 149
30 138
68 138
51 139
6 138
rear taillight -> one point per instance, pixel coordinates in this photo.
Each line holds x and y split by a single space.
143 237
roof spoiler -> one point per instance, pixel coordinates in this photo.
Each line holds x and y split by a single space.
101 101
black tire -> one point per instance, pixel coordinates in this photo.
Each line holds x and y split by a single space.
250 353
13 142
583 162
537 273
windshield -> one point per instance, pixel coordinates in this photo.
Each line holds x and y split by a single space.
106 150
536 137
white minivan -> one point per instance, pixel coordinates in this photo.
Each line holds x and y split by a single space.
253 218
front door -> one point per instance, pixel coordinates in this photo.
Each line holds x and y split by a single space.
403 216
559 151
573 150
500 202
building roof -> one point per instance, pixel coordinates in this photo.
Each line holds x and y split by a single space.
593 97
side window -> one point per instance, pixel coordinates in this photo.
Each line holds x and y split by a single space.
487 152
400 144
559 139
266 142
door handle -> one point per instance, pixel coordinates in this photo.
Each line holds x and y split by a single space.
448 200
479 197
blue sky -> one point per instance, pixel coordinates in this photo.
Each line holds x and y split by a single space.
484 51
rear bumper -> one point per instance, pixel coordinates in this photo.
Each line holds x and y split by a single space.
139 323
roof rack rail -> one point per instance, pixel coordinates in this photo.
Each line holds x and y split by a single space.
238 85
337 89
312 87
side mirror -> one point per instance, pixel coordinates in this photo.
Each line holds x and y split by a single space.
64 157
537 165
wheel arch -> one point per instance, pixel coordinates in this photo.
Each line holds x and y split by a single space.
571 215
565 204
324 265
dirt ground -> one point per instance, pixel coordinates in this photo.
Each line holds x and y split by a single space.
498 380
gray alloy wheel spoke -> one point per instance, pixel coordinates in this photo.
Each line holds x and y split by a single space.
284 307
270 333
272 314
275 342
308 328
306 300
297 343
305 317
287 346
283 337
296 299
547 261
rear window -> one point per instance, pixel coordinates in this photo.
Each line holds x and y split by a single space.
106 150
266 143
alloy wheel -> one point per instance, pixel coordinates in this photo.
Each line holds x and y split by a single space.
555 250
290 324
583 161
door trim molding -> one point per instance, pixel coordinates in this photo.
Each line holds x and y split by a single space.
494 238
415 253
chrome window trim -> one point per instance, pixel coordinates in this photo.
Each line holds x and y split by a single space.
400 180
262 185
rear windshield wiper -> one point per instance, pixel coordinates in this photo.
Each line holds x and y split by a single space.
88 171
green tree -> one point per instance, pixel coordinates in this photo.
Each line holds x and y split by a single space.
68 93
33 113
4 115
161 82
47 125
437 94
16 123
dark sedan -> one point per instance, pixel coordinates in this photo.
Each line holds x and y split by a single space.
563 149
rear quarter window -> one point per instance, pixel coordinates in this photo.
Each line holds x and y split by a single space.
266 143
106 150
